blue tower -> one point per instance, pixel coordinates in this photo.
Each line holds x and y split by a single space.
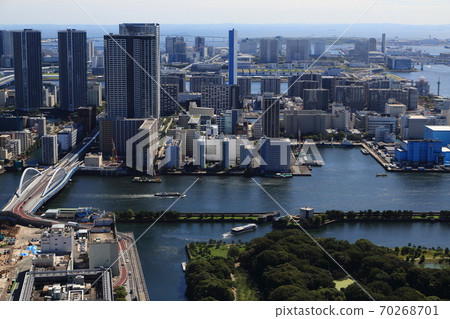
232 57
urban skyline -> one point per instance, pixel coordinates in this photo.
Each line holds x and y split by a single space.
173 112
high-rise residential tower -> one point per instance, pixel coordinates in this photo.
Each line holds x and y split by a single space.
132 74
297 50
72 69
232 57
6 48
176 49
372 44
90 50
319 47
268 50
271 115
361 51
28 69
49 149
383 43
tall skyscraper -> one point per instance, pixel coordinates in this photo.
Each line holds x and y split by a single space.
372 44
28 69
72 69
6 49
268 50
297 50
176 49
199 43
383 43
232 57
361 51
319 47
90 50
271 115
132 74
200 46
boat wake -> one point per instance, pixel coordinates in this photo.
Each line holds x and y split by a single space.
226 235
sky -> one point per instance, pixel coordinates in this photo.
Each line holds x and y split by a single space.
224 11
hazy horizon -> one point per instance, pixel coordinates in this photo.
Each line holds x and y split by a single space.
248 30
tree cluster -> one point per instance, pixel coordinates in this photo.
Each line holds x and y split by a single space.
120 293
209 280
288 265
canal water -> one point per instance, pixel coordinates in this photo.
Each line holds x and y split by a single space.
347 181
433 73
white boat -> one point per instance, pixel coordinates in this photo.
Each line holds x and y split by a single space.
183 265
243 229
364 151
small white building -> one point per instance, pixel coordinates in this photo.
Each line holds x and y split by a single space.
57 239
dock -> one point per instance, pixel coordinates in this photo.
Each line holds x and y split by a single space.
298 169
377 157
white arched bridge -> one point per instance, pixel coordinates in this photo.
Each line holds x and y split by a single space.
36 186
30 175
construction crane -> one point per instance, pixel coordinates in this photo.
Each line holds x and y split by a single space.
114 156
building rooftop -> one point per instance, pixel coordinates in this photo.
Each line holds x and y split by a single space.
418 117
440 128
101 237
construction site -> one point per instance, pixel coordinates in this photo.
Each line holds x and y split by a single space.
18 245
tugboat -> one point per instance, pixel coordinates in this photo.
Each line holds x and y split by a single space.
243 229
170 194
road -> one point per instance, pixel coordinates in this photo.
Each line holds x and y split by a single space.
128 256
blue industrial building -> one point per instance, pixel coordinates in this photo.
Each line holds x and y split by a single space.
424 153
436 132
